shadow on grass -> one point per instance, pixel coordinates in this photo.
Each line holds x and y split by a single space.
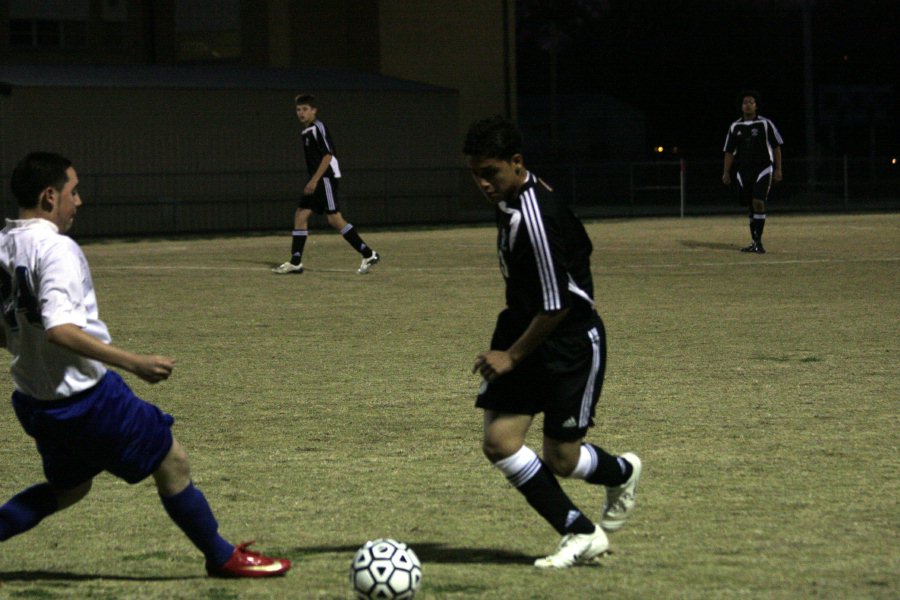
708 245
439 553
9 576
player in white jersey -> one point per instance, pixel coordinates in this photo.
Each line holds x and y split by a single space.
84 417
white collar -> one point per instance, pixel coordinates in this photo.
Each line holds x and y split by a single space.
34 222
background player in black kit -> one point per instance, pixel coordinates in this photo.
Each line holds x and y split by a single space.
753 146
320 193
548 351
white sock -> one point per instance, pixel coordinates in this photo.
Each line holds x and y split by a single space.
520 467
587 463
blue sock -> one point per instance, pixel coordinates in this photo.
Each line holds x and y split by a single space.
191 512
26 509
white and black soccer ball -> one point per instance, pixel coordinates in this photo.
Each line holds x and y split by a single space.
385 569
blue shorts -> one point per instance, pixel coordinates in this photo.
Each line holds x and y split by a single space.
104 428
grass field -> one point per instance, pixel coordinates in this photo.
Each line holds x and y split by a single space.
325 409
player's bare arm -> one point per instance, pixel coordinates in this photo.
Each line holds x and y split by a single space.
726 169
494 363
314 180
149 367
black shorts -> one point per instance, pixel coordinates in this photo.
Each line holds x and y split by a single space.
562 379
324 199
754 183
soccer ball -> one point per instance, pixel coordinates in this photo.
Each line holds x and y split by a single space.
385 569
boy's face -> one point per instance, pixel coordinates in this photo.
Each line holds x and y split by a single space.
748 107
306 114
64 203
498 179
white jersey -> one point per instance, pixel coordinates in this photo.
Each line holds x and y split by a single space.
46 282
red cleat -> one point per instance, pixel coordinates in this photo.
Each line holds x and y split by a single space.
247 563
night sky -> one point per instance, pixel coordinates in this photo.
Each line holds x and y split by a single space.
683 63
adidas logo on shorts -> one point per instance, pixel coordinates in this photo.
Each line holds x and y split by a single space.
570 422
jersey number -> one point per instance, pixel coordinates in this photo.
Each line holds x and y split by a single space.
17 298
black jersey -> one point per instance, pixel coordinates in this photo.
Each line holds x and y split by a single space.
544 256
317 143
753 142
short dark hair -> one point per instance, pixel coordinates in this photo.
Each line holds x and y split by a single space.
493 137
308 99
35 173
744 93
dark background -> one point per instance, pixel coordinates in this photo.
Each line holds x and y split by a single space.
683 64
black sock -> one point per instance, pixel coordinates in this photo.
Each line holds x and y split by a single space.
611 470
298 241
349 233
528 474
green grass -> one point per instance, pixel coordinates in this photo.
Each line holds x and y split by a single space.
325 409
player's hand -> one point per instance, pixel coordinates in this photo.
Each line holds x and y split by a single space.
310 188
152 368
726 178
777 175
493 363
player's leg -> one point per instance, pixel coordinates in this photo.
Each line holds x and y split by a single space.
758 223
757 205
568 420
369 256
504 445
68 477
337 221
32 505
618 474
188 508
298 242
745 193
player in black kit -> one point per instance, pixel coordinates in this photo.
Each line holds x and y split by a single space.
753 146
548 351
320 192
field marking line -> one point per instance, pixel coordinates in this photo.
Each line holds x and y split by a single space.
599 267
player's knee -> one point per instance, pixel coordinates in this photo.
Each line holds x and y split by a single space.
498 449
174 473
66 498
561 466
561 458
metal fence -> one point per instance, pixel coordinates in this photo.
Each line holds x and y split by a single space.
183 203
694 187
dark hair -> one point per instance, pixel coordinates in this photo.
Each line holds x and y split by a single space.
35 173
493 137
308 99
744 93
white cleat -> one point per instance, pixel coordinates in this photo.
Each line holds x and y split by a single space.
286 268
621 498
575 549
368 262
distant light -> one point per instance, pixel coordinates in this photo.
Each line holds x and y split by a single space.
894 161
846 58
660 149
675 150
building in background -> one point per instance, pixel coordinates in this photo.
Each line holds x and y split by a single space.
466 45
160 101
